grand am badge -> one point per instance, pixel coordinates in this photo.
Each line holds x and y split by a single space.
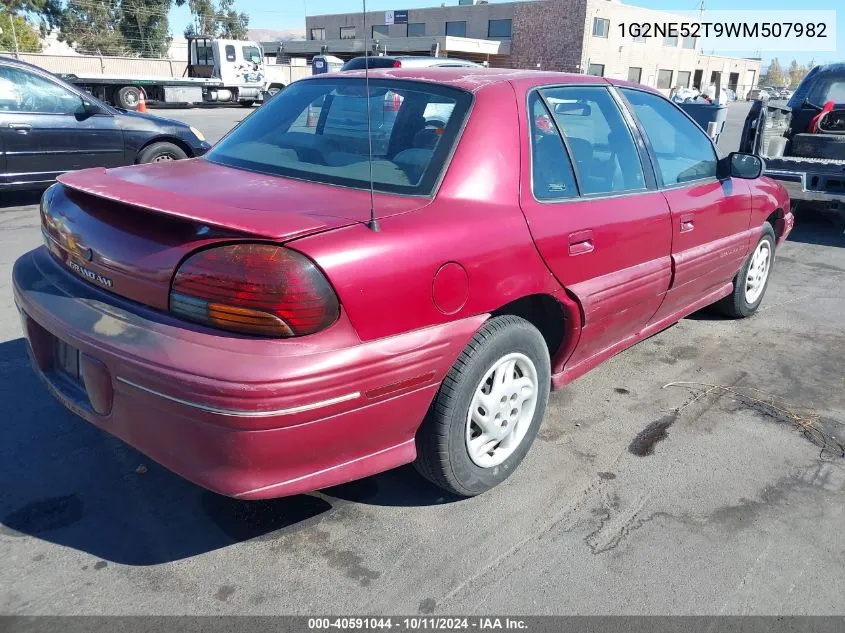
90 275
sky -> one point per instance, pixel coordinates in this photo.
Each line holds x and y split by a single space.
290 14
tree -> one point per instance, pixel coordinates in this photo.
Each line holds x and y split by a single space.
774 75
91 26
796 73
217 20
145 26
18 34
48 12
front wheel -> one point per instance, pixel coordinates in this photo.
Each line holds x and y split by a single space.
161 153
488 409
752 279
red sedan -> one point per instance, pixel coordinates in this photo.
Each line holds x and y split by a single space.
240 320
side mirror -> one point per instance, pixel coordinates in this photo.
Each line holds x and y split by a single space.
90 108
740 165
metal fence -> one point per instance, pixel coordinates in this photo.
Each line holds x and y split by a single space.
103 65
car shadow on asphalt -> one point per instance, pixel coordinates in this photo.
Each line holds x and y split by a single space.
69 483
814 227
19 198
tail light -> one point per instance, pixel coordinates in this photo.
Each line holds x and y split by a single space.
397 63
255 289
392 101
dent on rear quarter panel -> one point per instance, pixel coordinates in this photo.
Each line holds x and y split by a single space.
384 280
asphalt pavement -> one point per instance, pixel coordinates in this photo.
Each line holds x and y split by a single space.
696 473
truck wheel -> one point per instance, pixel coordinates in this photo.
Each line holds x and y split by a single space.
830 146
161 153
488 409
128 98
247 104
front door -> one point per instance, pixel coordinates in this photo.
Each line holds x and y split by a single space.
594 212
710 217
46 133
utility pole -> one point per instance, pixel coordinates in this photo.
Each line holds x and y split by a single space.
14 35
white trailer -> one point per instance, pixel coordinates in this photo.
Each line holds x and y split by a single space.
218 71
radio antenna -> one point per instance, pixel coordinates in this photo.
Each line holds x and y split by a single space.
372 224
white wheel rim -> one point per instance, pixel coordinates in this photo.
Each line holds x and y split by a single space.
502 410
758 271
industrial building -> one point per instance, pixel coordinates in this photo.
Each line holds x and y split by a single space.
580 36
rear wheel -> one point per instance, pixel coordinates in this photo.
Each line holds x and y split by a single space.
128 98
488 409
161 153
753 278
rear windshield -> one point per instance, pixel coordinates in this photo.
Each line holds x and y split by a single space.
317 130
358 63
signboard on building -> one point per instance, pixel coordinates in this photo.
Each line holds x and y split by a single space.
396 17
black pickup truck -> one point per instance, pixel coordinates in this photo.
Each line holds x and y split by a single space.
809 160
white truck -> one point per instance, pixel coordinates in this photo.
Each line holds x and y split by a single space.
218 71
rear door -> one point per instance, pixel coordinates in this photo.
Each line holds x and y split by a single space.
45 132
710 217
595 213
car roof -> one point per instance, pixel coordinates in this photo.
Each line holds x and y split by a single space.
473 79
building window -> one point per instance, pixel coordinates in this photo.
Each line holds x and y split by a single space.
683 78
596 69
688 42
456 29
635 74
639 39
672 42
664 79
347 32
380 30
601 27
318 34
416 29
499 29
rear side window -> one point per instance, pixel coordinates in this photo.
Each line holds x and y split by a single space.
602 147
552 177
359 63
317 130
683 151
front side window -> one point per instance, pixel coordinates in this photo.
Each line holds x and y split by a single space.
318 34
664 79
380 30
456 29
416 29
552 177
347 32
601 27
605 156
683 151
317 130
22 91
230 53
499 29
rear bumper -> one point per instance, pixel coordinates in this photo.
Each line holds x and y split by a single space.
811 187
243 417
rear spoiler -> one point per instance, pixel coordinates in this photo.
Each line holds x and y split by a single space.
270 224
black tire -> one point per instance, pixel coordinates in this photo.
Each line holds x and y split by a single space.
161 152
128 98
830 146
736 304
247 104
442 453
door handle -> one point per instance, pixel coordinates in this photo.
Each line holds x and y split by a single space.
20 128
687 222
581 242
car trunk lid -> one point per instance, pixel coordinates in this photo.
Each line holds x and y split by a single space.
128 229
